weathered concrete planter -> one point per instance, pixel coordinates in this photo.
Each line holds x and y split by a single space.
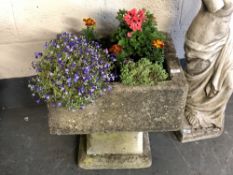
157 108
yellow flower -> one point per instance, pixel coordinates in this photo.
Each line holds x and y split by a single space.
158 43
89 22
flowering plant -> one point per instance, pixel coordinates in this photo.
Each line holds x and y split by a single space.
138 36
89 31
72 71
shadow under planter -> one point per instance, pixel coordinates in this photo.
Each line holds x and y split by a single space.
115 127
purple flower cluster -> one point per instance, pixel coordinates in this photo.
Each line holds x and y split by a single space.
72 71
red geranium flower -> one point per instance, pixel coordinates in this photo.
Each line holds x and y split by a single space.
134 19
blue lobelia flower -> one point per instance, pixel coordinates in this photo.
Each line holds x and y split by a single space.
69 83
62 88
81 90
73 65
67 71
71 44
46 45
59 104
104 76
53 43
38 54
76 78
59 55
109 88
86 79
92 90
47 97
86 70
107 65
38 101
38 69
60 61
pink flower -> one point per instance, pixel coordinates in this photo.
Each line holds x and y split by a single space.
134 19
129 34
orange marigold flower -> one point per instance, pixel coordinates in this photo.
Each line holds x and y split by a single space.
158 43
116 49
89 22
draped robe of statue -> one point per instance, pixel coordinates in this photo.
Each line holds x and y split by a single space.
209 57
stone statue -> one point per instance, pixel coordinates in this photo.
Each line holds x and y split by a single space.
209 57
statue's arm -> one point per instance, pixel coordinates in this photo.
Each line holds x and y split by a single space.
213 5
219 7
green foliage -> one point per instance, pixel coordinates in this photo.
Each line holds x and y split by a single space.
89 33
143 72
141 42
139 45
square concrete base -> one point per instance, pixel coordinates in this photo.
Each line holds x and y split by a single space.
115 143
114 161
187 134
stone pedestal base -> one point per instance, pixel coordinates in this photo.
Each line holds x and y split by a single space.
187 134
96 152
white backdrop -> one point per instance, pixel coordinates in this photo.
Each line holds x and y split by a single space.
26 24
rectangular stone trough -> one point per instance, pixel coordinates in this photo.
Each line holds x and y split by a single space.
127 108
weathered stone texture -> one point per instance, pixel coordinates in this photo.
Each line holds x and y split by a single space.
115 161
114 143
187 134
141 108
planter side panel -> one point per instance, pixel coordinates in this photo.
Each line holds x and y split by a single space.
124 109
